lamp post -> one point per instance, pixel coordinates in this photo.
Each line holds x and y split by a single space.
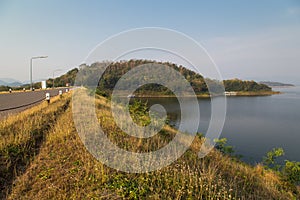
36 57
57 70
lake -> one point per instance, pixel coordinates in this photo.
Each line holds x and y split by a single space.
253 125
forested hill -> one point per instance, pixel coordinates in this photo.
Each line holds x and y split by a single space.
248 86
61 81
116 70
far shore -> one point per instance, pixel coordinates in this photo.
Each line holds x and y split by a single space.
284 86
238 94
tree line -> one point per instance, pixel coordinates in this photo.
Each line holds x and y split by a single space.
115 70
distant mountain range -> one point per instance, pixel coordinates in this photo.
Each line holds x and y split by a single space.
10 82
15 83
276 84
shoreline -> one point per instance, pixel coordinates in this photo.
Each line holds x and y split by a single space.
262 93
239 94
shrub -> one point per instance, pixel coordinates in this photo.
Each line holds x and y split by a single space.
291 171
221 146
270 159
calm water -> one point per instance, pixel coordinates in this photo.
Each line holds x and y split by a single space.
254 125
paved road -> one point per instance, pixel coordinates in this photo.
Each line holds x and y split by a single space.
19 101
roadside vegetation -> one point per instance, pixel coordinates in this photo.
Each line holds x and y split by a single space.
42 157
21 138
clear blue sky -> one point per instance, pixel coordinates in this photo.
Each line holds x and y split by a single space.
247 39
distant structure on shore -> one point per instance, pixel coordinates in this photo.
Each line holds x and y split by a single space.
230 93
44 85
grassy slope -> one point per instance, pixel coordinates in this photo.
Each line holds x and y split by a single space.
21 137
63 169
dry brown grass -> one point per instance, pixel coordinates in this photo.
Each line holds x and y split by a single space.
21 137
64 169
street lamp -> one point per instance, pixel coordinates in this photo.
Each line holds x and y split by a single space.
36 57
57 70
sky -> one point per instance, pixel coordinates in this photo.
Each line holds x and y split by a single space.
255 39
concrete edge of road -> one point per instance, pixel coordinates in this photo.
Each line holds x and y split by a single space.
36 90
4 112
21 106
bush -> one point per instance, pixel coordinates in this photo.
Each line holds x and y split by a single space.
270 159
291 171
222 147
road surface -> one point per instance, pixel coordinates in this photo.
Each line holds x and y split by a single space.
18 101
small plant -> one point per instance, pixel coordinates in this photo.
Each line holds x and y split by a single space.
290 171
140 113
221 145
269 160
